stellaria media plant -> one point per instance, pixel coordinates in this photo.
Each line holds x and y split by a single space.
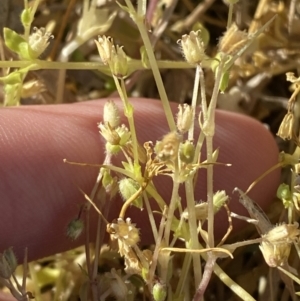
176 155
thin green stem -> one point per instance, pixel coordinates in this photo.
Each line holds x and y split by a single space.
150 215
209 131
139 20
141 7
27 28
157 197
208 270
171 209
230 13
158 242
238 290
194 102
128 111
193 243
203 93
133 65
183 275
210 193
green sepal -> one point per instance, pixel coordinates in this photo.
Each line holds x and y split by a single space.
26 17
12 78
204 33
16 43
224 81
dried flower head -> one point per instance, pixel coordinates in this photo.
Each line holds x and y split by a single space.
275 255
125 232
193 47
109 134
276 244
167 149
38 41
284 233
185 118
233 40
32 88
116 138
285 130
112 56
105 48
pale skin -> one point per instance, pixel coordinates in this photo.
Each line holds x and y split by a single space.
40 195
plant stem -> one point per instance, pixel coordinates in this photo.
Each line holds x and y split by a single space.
139 20
150 215
174 199
194 102
203 92
133 65
128 111
209 131
193 243
158 242
230 13
183 275
210 193
209 267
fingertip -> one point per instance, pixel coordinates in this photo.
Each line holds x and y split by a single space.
40 195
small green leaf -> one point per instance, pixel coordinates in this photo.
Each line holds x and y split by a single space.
16 43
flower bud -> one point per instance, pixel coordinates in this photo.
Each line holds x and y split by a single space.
105 48
184 118
193 47
219 199
26 17
75 228
284 194
233 40
112 56
111 114
159 291
128 187
276 244
187 152
109 134
119 65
